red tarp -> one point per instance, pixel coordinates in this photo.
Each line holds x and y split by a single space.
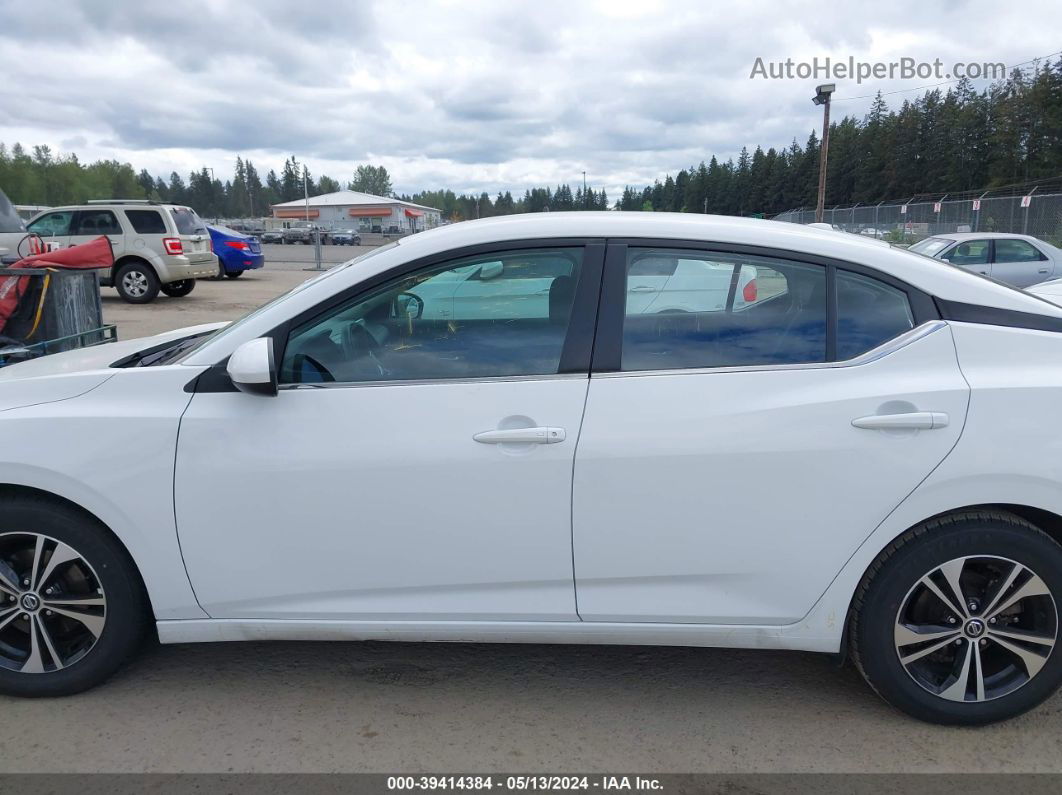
94 254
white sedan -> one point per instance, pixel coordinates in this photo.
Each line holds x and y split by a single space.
1018 260
809 441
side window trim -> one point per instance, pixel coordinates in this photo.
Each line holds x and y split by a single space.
609 341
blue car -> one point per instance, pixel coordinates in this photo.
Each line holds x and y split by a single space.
236 251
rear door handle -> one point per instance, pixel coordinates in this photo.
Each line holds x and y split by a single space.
542 435
918 420
643 288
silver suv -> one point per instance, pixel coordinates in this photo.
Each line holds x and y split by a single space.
156 246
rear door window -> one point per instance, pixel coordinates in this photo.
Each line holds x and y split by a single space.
1008 250
146 222
713 311
97 222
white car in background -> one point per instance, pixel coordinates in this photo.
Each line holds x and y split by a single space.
1018 260
1049 291
854 462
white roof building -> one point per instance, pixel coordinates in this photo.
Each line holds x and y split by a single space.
351 209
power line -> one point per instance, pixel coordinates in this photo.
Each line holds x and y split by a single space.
944 83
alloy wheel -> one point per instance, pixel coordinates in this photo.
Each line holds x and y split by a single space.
976 628
52 606
135 284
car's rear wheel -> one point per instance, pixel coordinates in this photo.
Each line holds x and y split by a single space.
957 621
137 283
179 289
72 608
234 274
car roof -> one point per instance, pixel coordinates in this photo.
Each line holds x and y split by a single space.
981 236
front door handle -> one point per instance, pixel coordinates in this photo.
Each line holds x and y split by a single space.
917 420
543 435
643 288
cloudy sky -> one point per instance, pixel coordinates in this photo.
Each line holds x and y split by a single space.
467 95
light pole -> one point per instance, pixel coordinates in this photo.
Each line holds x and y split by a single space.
822 97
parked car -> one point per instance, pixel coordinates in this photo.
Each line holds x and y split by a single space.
347 237
236 252
1018 260
14 239
305 234
156 246
1049 291
840 463
272 236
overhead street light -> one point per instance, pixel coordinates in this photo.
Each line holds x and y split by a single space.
822 97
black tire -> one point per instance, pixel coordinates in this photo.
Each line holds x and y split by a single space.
992 542
179 289
234 274
136 282
126 612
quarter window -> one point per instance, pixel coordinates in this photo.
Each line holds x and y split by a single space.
502 314
869 313
689 309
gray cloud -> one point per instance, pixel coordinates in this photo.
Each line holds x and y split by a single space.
473 96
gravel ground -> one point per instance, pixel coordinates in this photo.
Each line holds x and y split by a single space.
418 707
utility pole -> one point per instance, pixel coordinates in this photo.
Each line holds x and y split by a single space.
316 233
822 97
586 199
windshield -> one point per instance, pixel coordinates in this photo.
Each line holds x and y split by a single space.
9 219
188 223
931 246
221 332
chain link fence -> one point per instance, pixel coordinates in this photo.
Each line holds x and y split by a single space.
1038 214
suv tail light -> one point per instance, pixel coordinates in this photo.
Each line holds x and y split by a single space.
750 291
236 244
172 245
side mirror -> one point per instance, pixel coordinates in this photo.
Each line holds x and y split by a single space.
492 270
251 367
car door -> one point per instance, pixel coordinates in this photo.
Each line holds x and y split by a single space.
411 467
1018 262
732 460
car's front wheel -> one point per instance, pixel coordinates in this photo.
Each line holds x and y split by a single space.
72 608
179 289
957 621
137 283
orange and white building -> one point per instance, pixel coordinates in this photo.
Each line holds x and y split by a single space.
349 209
